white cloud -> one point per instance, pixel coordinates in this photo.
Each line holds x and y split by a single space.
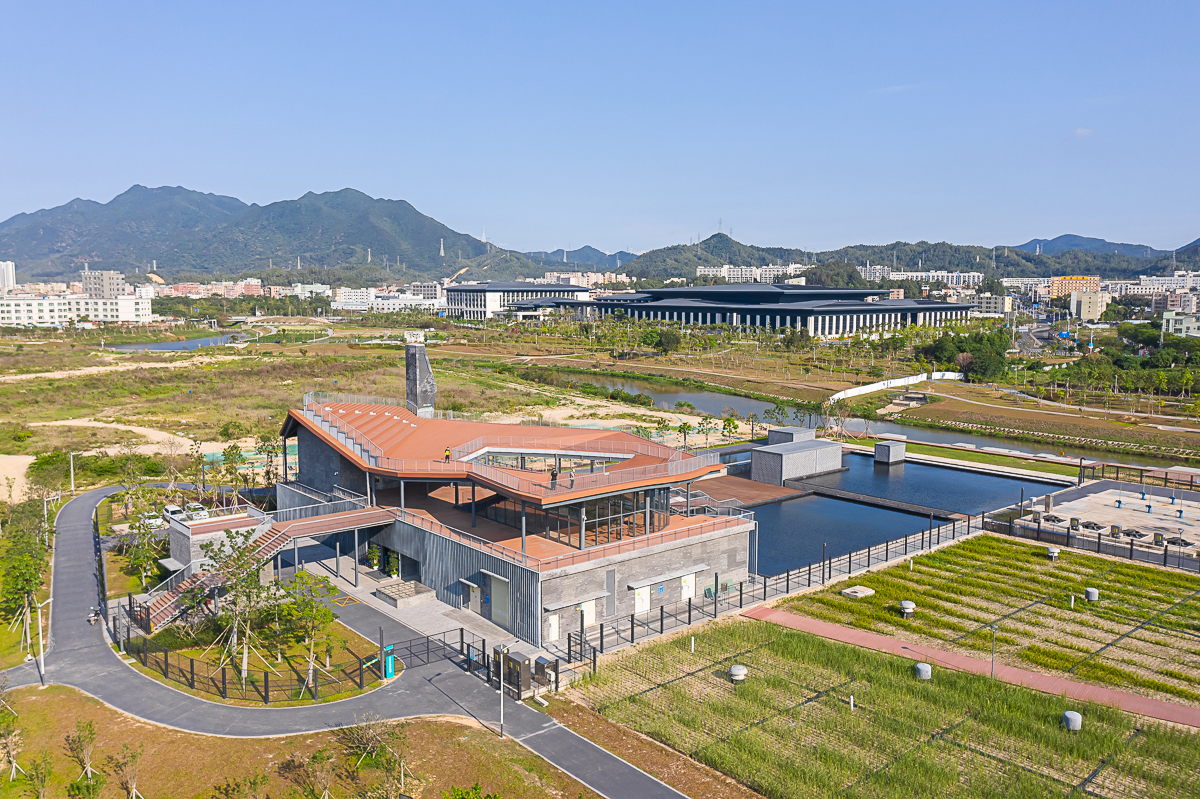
1083 133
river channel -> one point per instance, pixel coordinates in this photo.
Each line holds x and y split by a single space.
665 395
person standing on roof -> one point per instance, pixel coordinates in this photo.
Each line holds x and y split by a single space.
447 455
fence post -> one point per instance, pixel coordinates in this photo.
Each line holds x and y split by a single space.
193 670
1131 549
631 634
593 660
224 685
787 582
570 640
601 644
809 574
461 646
887 551
690 611
662 618
741 591
266 687
716 592
1166 549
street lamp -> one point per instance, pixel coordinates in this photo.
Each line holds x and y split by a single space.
503 651
994 628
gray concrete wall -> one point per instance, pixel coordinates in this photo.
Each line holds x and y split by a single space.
726 553
322 466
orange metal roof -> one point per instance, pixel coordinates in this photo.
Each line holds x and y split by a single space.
415 448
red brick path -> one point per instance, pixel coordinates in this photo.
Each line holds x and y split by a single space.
1132 703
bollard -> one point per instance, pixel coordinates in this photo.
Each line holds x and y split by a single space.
923 671
1072 721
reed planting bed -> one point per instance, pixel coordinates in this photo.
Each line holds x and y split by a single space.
790 729
1143 635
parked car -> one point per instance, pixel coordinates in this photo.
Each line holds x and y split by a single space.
196 511
174 512
152 521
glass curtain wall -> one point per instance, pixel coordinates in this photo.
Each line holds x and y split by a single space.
603 521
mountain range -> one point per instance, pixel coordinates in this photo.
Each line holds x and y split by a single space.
1068 242
192 234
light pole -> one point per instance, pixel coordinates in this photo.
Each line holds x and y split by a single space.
503 651
72 455
42 643
994 628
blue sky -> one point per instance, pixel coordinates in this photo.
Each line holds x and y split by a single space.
627 125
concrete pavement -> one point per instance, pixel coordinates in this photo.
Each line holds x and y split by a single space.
79 656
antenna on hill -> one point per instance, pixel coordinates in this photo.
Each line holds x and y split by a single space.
442 249
719 221
297 263
368 255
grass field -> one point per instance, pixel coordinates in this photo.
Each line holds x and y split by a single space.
790 731
185 766
980 457
1142 636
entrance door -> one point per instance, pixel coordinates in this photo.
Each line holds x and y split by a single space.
641 599
500 603
687 586
552 627
589 612
475 601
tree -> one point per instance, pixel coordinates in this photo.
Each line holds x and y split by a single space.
232 460
729 428
309 614
237 563
10 745
663 425
683 429
39 774
753 420
252 787
669 340
125 767
81 746
368 736
269 448
313 774
142 543
706 426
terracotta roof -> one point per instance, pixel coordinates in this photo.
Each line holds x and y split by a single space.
401 444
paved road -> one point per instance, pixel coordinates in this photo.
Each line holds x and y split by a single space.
79 656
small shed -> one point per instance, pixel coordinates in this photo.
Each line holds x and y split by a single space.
786 435
796 460
889 452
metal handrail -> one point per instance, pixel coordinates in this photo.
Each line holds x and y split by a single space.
678 463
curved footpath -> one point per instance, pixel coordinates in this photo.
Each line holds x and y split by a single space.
79 656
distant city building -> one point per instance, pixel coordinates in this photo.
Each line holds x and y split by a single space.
1089 306
874 272
939 276
750 274
1062 286
1176 280
494 298
28 310
8 274
587 280
430 290
1181 324
1178 300
378 301
103 283
894 294
998 304
1025 285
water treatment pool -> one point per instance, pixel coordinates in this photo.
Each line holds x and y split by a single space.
791 533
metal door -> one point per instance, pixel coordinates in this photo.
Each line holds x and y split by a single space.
500 603
687 586
552 627
641 599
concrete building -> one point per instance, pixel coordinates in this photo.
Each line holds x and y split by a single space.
8 275
493 298
1180 300
1062 286
537 529
103 284
430 290
794 460
1089 305
940 276
1176 323
750 274
994 303
28 310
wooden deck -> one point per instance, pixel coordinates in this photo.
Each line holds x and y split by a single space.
743 489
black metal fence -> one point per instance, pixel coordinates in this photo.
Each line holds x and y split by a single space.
731 597
290 681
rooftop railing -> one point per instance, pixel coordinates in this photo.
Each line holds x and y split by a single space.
674 463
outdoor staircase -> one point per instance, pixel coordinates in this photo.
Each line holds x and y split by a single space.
167 606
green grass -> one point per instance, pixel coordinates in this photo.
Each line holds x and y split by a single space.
788 731
960 590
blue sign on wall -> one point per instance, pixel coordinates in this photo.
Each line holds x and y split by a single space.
1064 334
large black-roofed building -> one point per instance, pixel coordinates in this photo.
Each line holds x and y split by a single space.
824 312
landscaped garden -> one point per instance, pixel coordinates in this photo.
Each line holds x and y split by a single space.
1143 635
818 718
